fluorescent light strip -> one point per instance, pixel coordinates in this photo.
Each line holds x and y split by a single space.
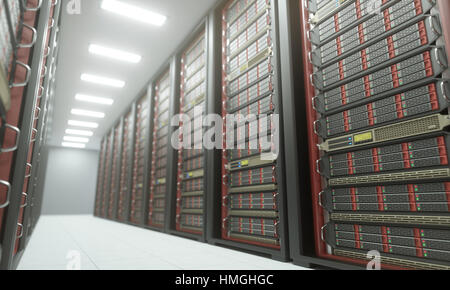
85 113
73 145
76 139
79 132
83 124
95 100
114 53
134 12
102 81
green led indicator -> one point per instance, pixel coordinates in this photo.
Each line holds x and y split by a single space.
426 255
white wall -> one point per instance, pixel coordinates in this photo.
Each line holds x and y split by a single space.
70 181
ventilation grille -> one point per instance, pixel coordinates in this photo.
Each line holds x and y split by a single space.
406 129
399 176
393 261
396 219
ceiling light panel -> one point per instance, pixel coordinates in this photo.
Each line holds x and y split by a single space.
86 113
102 81
94 100
134 12
73 145
83 124
114 53
79 132
76 139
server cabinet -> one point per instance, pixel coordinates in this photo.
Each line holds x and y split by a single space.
115 171
39 126
124 197
35 140
253 188
375 91
160 165
190 213
100 178
28 50
141 147
107 174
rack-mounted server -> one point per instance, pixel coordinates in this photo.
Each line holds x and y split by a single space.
27 43
377 104
100 176
159 192
126 159
36 140
115 172
139 165
45 97
107 174
253 194
190 195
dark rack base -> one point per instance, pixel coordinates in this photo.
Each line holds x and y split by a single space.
255 250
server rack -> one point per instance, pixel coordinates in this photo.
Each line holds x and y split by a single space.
115 171
32 198
29 29
100 177
124 196
162 155
107 174
190 211
140 168
252 201
376 102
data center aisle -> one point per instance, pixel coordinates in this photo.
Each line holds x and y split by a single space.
103 245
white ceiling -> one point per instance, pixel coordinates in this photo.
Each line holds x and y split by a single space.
94 25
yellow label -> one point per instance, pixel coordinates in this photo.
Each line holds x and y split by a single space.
244 67
364 137
244 162
161 180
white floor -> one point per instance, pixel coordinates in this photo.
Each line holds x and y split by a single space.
88 243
